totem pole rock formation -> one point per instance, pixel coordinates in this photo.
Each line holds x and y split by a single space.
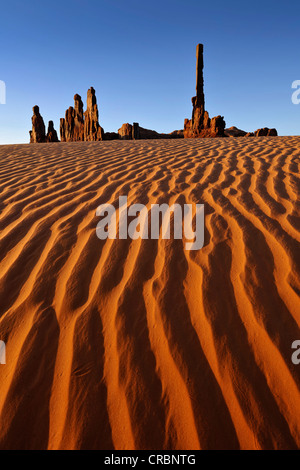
38 133
201 125
51 134
92 129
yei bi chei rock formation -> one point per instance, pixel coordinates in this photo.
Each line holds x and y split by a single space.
38 132
72 125
51 134
76 126
79 126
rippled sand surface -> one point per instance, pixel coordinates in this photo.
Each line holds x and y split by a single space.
123 344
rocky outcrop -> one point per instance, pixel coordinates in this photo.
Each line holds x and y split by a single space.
150 134
72 125
234 132
77 125
178 134
111 136
62 127
131 132
201 125
265 131
135 131
217 126
38 132
125 132
69 124
51 134
78 133
92 129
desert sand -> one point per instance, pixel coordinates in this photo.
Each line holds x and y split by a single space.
123 344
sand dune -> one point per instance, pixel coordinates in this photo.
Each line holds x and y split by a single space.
123 344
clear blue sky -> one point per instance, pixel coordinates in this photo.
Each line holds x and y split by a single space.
140 58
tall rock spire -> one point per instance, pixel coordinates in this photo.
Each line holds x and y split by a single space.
92 130
201 125
51 134
72 126
199 75
78 134
38 132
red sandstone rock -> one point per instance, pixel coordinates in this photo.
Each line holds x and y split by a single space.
51 134
234 132
78 126
69 124
150 134
78 132
135 131
62 130
92 130
72 126
176 134
111 136
217 126
38 133
265 131
125 131
201 125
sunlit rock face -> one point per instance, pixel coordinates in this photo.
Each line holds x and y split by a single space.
201 125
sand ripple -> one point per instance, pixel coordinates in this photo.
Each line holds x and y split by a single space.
140 344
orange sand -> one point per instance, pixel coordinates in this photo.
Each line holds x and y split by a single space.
140 344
